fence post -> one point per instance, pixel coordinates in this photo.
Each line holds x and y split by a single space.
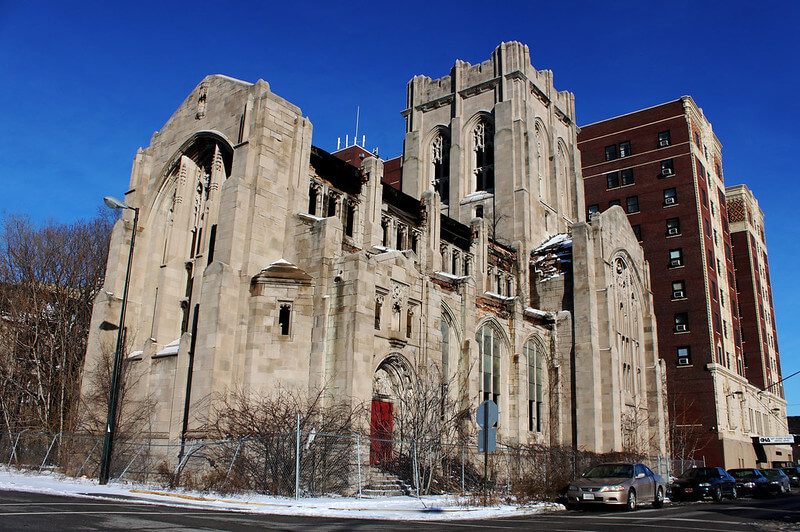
358 462
297 463
235 454
87 458
48 451
131 462
508 470
14 449
416 470
462 469
180 463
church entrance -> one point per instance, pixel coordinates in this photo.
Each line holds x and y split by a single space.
381 425
390 378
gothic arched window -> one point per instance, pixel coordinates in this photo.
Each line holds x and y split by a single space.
440 159
483 147
489 348
535 359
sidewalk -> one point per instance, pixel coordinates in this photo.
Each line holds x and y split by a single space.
434 507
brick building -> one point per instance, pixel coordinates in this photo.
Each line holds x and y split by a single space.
663 165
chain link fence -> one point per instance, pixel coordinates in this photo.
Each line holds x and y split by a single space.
308 464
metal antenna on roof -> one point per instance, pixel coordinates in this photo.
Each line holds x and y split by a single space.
355 137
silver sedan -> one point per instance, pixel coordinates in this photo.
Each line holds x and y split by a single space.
620 484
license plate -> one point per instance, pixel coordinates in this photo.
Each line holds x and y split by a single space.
588 496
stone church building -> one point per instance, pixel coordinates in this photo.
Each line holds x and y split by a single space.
266 262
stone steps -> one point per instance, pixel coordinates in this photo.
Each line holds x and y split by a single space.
384 484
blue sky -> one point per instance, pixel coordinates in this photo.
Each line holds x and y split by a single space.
86 83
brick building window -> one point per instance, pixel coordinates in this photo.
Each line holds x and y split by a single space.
667 167
637 230
626 176
632 204
613 202
625 149
681 322
611 152
670 196
593 209
673 226
675 258
663 139
684 356
612 180
679 289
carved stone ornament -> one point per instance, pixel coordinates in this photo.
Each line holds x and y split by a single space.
436 149
479 135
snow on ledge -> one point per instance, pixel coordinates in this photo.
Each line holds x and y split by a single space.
495 295
561 239
170 349
444 276
541 314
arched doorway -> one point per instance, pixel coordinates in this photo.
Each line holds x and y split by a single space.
392 376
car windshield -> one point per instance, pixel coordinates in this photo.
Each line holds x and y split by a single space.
699 472
772 474
742 473
610 471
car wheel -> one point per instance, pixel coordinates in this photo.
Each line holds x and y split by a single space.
631 504
658 502
734 493
717 494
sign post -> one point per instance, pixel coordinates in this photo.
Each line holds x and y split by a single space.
487 438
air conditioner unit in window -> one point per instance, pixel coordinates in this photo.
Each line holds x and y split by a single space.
677 294
669 200
662 143
675 262
672 231
680 327
683 361
666 171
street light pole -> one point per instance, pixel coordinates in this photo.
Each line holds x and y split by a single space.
111 421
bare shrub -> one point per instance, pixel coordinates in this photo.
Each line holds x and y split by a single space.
261 430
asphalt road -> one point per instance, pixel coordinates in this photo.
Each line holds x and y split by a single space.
33 511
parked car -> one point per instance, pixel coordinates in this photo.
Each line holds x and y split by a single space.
778 481
625 484
701 482
794 475
750 481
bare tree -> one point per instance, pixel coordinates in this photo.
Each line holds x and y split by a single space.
686 431
434 413
49 276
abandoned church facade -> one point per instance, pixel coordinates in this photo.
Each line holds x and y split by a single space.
262 261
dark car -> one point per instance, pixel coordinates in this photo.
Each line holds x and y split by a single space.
794 475
619 484
778 481
750 481
701 482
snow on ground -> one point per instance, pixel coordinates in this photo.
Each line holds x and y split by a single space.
434 507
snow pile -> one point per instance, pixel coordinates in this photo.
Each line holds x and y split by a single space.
434 507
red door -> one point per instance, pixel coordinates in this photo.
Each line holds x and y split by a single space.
381 424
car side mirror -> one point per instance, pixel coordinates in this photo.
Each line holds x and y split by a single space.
640 475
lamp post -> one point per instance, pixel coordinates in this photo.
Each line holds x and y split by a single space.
105 462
